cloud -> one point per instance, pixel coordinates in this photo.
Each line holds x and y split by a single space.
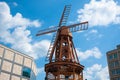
40 70
14 31
94 52
93 31
93 35
40 48
96 72
100 13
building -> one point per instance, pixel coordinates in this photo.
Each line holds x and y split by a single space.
113 58
15 65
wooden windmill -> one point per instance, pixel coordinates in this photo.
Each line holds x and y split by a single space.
63 60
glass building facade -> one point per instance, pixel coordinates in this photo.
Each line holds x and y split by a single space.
113 58
15 65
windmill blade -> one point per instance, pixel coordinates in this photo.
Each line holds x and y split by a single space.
46 31
78 27
65 15
73 28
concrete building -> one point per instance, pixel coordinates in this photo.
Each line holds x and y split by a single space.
15 65
113 58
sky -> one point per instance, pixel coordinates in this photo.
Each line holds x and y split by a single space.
20 20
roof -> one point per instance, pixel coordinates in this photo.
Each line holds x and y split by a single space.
15 51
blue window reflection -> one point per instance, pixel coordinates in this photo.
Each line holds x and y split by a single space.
26 72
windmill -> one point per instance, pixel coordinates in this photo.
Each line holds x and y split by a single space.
63 60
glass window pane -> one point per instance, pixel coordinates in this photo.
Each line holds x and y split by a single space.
118 71
115 55
110 57
26 72
116 63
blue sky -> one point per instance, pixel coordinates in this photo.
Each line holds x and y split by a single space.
21 19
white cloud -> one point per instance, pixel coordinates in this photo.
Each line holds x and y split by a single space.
100 13
40 70
40 48
93 31
94 52
14 31
96 72
93 35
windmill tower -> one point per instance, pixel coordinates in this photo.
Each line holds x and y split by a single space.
63 60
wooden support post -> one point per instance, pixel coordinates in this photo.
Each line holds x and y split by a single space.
73 74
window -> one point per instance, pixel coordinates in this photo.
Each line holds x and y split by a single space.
119 52
66 77
112 64
118 71
26 72
113 56
64 44
116 63
118 78
113 72
110 57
